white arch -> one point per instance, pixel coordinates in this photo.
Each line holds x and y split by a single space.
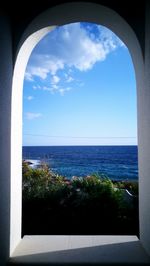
60 15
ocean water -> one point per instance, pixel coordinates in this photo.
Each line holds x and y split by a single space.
117 162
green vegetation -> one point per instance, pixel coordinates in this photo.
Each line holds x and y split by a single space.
90 205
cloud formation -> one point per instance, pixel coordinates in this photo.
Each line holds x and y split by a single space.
53 89
74 46
55 79
29 98
31 116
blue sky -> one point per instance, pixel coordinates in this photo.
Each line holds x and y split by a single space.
79 89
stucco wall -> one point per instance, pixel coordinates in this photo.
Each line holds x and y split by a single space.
12 118
5 110
59 15
144 202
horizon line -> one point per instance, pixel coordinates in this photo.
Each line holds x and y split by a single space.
65 145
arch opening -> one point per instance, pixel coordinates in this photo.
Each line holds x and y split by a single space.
37 29
52 92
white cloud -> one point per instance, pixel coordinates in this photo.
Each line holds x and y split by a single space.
31 116
29 98
56 89
28 76
72 46
90 53
55 79
75 48
63 91
109 39
36 87
42 66
36 71
69 79
51 89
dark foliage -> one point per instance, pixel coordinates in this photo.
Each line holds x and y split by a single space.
92 205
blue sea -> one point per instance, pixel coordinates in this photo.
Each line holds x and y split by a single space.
116 162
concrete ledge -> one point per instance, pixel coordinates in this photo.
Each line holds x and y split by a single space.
79 250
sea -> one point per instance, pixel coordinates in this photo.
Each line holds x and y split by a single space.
115 162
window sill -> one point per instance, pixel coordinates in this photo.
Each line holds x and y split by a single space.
74 250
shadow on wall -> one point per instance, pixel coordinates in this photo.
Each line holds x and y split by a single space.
110 254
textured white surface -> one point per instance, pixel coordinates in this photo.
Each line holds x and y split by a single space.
11 124
46 21
79 249
16 134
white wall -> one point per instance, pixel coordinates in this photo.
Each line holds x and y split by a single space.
145 145
5 110
16 135
59 15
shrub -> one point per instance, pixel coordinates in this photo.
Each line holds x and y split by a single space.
84 205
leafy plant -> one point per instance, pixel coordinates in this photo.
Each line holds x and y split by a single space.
91 204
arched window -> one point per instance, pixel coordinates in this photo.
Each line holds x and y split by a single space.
80 118
60 15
